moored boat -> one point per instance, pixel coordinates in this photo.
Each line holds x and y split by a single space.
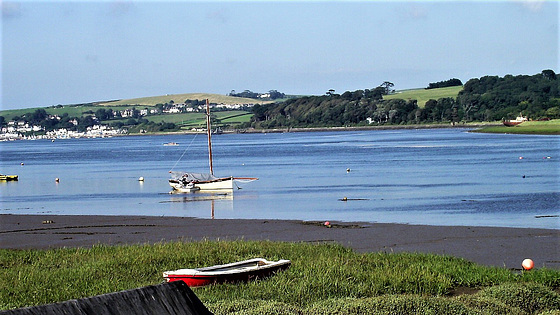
186 182
515 121
8 177
189 182
256 268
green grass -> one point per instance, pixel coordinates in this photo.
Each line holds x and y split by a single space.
551 127
423 95
323 279
198 120
139 103
180 98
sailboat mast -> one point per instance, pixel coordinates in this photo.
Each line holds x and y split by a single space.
209 130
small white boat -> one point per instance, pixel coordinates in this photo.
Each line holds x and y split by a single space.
189 182
256 268
520 119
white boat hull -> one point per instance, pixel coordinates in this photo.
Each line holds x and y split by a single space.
229 273
219 185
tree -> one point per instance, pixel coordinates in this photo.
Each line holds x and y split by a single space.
37 116
136 113
447 83
387 87
549 74
104 114
375 94
553 112
276 95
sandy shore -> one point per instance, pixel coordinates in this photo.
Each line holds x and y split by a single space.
503 247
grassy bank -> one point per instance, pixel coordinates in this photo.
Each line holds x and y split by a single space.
551 127
323 279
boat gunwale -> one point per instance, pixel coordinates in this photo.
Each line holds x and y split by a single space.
228 269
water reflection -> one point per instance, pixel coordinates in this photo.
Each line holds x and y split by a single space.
202 198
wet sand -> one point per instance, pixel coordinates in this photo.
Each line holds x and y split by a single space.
493 246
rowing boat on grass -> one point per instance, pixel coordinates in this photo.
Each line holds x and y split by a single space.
256 268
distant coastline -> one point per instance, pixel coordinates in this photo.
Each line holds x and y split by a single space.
551 127
323 129
487 127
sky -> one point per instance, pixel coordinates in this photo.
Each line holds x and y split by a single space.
68 52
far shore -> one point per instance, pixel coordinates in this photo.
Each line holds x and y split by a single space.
322 129
493 246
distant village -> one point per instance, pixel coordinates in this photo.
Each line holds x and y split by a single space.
23 130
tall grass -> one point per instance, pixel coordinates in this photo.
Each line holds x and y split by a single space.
319 274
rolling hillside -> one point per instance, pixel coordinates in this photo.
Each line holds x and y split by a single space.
180 98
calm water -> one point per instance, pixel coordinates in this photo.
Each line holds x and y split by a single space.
437 177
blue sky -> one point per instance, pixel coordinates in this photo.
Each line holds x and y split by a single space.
65 52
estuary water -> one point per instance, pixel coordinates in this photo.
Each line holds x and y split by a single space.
433 177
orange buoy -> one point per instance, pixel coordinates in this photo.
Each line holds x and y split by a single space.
527 264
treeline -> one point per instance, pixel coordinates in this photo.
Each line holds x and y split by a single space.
446 83
489 98
270 95
494 98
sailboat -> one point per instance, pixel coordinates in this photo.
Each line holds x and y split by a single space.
184 182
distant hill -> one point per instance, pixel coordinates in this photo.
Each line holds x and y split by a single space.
423 95
181 98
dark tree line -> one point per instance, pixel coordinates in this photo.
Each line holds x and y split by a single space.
489 98
493 98
446 83
272 94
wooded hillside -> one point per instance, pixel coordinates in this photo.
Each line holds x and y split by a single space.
490 98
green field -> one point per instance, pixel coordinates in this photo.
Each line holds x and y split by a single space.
551 127
423 95
139 103
323 279
181 98
198 120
